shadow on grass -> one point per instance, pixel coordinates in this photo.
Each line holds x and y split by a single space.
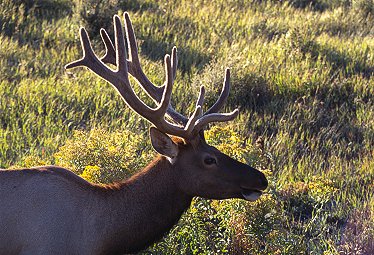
98 14
22 20
340 60
187 57
314 5
318 5
51 9
44 9
326 114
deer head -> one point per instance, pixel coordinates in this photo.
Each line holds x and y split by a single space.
202 169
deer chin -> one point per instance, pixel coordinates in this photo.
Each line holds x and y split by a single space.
251 195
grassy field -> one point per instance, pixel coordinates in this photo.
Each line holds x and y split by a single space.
302 75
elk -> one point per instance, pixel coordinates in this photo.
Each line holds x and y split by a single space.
51 210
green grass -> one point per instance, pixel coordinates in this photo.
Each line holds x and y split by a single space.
302 75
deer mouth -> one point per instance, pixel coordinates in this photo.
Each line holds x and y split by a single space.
251 194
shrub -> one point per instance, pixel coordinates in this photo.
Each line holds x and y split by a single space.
364 7
101 156
96 14
359 232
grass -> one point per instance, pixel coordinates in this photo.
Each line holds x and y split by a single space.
302 75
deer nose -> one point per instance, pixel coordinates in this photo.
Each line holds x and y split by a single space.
263 181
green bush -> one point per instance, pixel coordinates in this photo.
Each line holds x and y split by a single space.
365 8
104 157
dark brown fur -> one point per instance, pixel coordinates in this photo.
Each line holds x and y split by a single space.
128 216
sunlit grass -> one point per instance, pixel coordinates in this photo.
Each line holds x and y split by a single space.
302 76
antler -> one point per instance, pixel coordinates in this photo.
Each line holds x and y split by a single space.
117 55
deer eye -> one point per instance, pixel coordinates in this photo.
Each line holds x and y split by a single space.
210 161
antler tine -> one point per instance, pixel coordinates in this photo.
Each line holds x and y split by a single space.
131 40
223 97
166 96
190 126
200 99
214 117
118 78
121 52
174 61
89 56
134 59
211 115
136 71
110 52
133 62
117 55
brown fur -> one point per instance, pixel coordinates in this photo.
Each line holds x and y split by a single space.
50 210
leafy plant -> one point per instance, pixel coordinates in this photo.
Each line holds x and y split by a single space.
104 157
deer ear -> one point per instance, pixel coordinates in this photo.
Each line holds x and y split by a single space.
162 143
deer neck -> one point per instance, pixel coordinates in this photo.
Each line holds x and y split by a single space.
142 209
